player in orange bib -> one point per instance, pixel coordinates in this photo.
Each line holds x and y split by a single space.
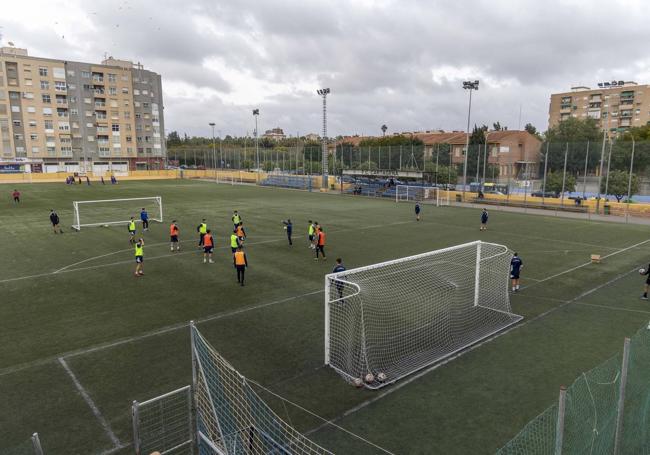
208 247
320 243
174 244
241 234
240 261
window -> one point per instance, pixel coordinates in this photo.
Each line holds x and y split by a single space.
35 149
137 115
49 125
136 91
15 108
51 150
115 115
18 137
16 123
58 73
113 103
125 77
87 87
112 77
28 95
20 149
71 73
72 87
115 128
47 111
90 125
137 104
87 100
27 82
46 98
72 99
31 109
145 92
45 85
42 71
145 105
14 95
64 126
129 149
127 115
112 90
85 74
91 138
100 115
74 112
33 137
125 90
32 123
60 86
65 140
89 113
129 139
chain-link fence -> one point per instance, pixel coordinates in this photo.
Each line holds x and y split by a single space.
594 178
605 411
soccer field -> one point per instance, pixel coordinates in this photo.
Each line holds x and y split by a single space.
81 337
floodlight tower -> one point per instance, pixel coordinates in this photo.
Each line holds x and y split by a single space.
383 130
324 163
214 154
256 113
468 85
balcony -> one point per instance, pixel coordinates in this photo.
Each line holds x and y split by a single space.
594 105
98 91
627 113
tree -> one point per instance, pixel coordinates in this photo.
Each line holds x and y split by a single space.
367 166
173 139
247 164
531 129
579 136
617 184
554 182
496 126
444 174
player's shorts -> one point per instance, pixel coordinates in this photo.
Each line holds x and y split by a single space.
173 238
647 281
53 223
132 232
208 249
311 238
233 250
484 221
16 199
514 276
139 259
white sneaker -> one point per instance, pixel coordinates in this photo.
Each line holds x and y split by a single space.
205 260
172 248
211 261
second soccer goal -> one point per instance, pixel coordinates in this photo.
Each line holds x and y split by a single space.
388 320
107 212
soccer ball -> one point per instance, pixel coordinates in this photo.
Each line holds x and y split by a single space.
358 382
369 378
641 271
381 377
106 225
285 228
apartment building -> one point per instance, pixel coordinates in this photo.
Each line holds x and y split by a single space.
274 134
79 117
616 105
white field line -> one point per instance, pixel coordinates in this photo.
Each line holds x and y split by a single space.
152 333
91 404
67 268
608 307
573 269
400 385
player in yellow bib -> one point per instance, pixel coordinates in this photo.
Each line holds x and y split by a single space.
139 257
131 228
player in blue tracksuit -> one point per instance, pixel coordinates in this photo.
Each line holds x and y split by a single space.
144 216
515 269
339 267
288 226
484 219
417 211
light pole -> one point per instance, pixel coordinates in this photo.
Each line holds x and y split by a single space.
468 85
214 155
256 113
324 92
383 130
220 150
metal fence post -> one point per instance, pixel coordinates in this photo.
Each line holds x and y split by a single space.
559 427
584 177
621 397
629 183
566 153
135 415
544 176
36 443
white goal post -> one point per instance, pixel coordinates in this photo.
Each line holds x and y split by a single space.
425 194
115 211
388 320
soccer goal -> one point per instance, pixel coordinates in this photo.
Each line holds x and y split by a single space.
115 211
388 320
425 194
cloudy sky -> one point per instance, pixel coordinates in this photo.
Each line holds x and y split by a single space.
398 62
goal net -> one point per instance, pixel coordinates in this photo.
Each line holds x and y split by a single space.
425 194
388 320
231 419
115 211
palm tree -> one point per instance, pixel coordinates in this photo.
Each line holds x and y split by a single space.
383 129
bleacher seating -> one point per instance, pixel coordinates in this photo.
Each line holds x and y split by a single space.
288 181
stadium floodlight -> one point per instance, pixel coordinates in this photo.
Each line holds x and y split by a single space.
388 320
325 159
214 154
256 113
108 212
468 85
425 194
383 130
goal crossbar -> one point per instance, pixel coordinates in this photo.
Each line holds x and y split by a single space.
397 317
425 194
124 215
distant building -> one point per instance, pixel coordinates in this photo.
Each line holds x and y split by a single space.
312 137
515 153
80 117
616 105
275 134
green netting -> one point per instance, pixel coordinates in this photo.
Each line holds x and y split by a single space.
591 410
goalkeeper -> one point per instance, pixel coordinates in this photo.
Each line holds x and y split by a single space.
515 269
645 272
